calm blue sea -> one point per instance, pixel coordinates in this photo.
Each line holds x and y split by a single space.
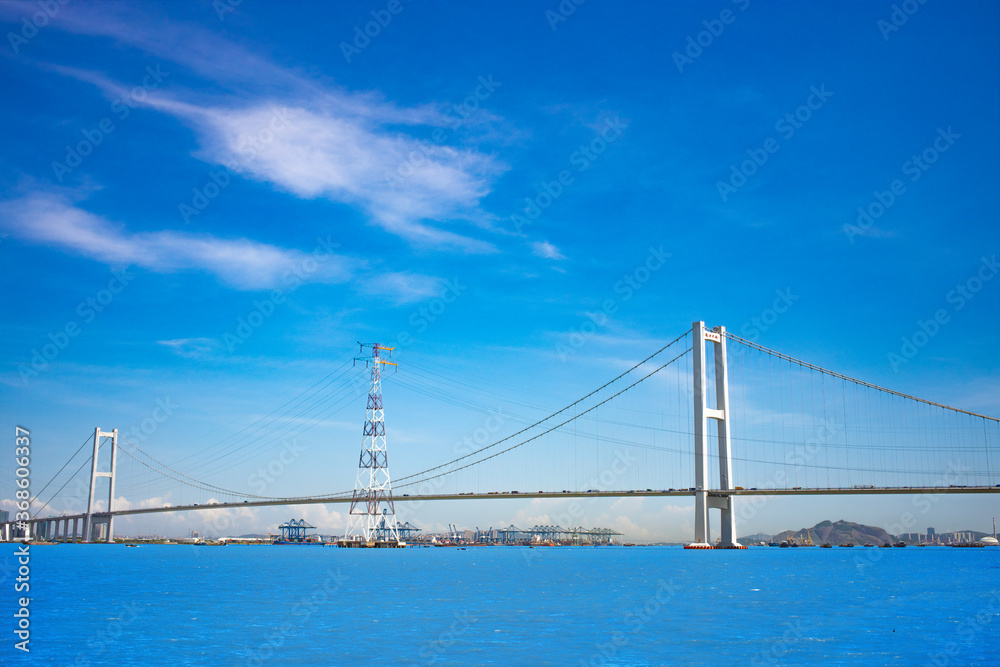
238 605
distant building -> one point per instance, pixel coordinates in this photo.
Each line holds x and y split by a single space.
930 533
4 516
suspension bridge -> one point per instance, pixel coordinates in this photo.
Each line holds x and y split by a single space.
709 415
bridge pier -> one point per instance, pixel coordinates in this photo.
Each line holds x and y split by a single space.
703 500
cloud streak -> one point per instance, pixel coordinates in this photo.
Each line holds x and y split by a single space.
53 220
315 153
546 250
308 138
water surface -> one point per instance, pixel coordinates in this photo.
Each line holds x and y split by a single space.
252 605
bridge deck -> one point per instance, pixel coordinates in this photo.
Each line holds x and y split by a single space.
911 490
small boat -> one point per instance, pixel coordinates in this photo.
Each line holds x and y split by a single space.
899 544
847 544
783 545
885 546
826 545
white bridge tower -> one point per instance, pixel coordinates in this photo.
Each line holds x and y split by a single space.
705 499
91 520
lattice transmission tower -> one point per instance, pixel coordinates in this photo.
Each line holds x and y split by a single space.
373 516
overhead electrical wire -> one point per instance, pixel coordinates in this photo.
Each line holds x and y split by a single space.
318 372
207 451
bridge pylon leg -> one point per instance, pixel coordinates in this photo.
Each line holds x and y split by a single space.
88 520
703 499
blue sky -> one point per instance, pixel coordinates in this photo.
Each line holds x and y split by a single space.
470 183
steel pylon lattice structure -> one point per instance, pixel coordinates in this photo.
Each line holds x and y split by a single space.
373 515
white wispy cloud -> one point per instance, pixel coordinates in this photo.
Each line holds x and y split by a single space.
402 183
405 287
546 250
192 348
53 219
307 138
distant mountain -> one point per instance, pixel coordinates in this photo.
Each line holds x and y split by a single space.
839 532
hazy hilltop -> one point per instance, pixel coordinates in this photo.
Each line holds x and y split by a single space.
839 532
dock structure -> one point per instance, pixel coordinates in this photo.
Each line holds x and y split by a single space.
294 532
576 535
407 531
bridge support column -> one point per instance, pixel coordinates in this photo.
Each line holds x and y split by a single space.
703 499
88 521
